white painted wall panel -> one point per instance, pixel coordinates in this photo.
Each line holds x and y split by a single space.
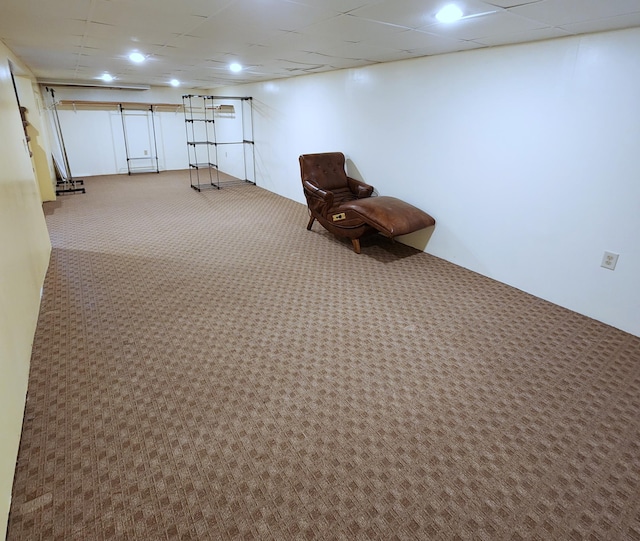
94 141
24 257
172 141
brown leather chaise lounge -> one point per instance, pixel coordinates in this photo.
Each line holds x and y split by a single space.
344 206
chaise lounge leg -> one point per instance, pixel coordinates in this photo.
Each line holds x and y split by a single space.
356 245
310 223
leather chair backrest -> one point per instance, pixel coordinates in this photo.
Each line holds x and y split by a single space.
325 170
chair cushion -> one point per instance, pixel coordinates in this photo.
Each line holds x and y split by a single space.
389 215
325 170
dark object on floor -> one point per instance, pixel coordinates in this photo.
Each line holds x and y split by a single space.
344 205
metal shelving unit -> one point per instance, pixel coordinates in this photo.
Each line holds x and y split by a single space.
135 113
202 141
65 182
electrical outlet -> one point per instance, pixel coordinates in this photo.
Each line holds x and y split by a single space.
609 260
146 152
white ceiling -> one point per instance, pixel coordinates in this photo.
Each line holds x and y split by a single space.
195 40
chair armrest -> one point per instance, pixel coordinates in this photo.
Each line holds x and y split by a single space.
359 189
314 191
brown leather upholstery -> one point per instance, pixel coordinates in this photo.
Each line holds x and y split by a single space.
344 205
390 216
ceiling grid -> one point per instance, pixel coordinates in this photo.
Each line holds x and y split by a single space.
195 40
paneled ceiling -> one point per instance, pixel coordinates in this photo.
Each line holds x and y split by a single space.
194 41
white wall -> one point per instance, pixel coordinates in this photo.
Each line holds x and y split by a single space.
24 256
233 128
526 155
94 136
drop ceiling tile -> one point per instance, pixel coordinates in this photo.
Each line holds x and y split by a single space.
369 52
162 8
444 48
350 28
103 31
39 27
14 10
106 47
180 47
510 3
406 13
612 23
64 27
131 17
49 60
253 55
220 32
283 68
64 32
537 34
105 12
483 26
272 14
317 61
59 42
413 39
335 62
340 49
290 42
339 6
563 12
187 42
470 10
417 13
282 65
200 37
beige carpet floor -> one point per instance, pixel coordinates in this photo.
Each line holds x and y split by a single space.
206 368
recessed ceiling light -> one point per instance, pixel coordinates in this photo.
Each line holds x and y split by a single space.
107 78
449 14
235 67
174 82
136 57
